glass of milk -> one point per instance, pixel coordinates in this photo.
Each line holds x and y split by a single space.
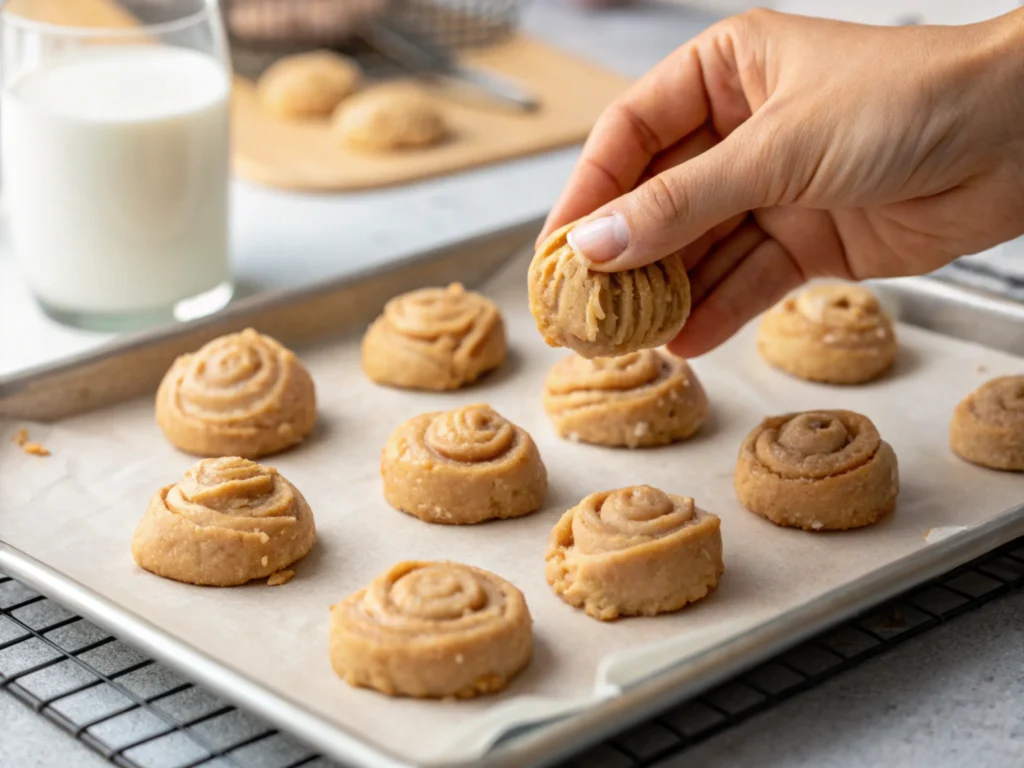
116 159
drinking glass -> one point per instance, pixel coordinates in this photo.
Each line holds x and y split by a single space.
116 158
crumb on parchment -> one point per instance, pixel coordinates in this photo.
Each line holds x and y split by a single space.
980 368
30 448
281 577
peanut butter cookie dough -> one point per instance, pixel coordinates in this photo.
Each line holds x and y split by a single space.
432 630
598 314
435 339
226 522
641 399
463 466
634 552
240 395
308 85
988 425
388 118
819 470
836 333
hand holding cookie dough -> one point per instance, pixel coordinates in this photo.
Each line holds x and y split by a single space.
599 314
795 171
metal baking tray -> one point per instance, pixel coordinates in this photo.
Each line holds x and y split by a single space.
133 366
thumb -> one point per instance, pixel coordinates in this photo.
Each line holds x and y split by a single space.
677 206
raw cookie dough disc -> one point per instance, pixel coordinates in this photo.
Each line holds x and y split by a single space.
434 338
641 399
819 470
835 333
634 552
988 425
308 85
432 630
463 466
226 522
240 395
389 117
599 314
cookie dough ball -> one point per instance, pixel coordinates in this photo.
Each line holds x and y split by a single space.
308 85
642 399
819 470
463 466
432 630
988 425
634 552
226 522
838 334
434 338
389 117
240 395
599 314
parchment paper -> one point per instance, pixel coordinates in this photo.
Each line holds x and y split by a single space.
77 509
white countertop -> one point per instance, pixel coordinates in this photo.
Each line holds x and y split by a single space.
952 695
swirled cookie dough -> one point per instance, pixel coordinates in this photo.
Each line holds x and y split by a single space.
434 338
641 399
836 333
599 314
819 470
388 118
226 522
240 395
463 466
988 425
308 85
634 552
432 630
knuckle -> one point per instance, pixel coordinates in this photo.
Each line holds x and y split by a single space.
664 200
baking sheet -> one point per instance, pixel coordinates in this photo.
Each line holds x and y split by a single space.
76 511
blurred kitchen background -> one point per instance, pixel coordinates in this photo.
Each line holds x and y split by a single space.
283 238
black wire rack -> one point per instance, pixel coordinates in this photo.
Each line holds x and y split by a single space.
139 714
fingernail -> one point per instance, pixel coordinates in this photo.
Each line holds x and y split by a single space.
600 239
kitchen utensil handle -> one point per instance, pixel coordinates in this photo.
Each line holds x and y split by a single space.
498 87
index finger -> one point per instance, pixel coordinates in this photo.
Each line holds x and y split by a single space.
658 110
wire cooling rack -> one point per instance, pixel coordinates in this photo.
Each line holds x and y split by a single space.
139 714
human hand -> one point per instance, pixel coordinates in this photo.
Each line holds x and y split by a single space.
773 148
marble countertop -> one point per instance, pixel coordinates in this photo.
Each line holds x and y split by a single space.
953 695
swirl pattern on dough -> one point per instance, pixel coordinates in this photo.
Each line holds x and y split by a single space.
434 338
598 314
819 470
640 399
835 333
240 395
988 425
634 551
432 630
462 466
226 522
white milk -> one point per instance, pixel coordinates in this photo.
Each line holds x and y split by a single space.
116 177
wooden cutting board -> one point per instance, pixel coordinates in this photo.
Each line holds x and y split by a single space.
571 92
305 156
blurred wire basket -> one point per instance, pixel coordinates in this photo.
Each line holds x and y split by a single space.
449 24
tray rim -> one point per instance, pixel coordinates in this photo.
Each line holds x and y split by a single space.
545 742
